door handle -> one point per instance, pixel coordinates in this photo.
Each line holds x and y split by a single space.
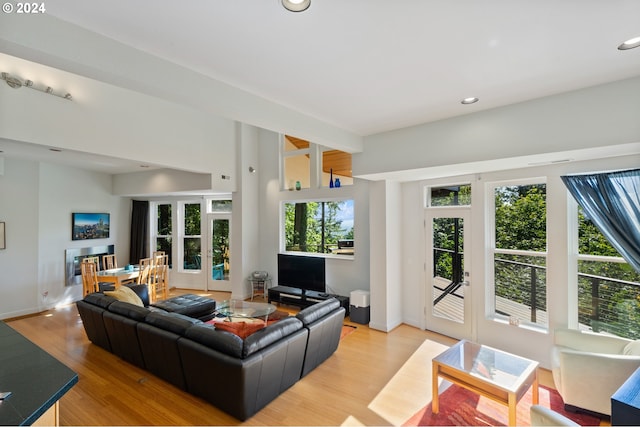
466 283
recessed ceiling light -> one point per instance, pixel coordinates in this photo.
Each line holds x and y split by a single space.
471 100
630 44
144 166
296 5
55 150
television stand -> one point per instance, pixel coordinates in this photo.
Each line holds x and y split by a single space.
301 298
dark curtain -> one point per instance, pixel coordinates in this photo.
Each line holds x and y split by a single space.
612 201
139 231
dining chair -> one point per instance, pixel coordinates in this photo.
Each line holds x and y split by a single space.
146 266
159 282
109 262
99 286
93 259
89 278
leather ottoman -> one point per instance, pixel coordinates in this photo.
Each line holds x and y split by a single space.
189 305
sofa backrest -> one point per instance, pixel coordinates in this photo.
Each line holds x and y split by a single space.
172 322
99 299
269 335
222 341
317 311
132 311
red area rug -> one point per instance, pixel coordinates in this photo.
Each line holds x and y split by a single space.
461 407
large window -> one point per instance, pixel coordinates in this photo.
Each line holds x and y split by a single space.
608 287
192 252
520 252
324 227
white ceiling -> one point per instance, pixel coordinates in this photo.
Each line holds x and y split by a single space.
369 66
77 159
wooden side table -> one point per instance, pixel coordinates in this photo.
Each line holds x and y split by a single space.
259 287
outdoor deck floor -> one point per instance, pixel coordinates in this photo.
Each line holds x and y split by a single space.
451 307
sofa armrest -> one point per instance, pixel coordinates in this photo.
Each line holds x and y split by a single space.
317 311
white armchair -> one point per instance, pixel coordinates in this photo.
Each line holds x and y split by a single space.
542 416
588 368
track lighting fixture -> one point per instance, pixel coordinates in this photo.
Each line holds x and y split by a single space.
17 83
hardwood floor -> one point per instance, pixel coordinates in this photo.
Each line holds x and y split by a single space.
374 378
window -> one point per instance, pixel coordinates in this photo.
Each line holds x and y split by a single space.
519 253
307 165
324 227
220 206
336 165
163 229
451 195
296 163
608 287
192 253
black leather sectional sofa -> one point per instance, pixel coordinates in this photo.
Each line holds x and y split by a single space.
196 357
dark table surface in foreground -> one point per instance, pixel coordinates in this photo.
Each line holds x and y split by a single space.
35 379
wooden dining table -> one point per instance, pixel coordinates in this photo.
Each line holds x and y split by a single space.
118 275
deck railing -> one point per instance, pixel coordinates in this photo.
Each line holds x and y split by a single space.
605 304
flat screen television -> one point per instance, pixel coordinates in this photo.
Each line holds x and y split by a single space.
303 272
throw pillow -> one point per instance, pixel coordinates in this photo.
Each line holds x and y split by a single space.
241 329
278 315
125 294
632 349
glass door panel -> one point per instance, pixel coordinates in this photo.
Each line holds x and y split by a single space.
218 252
448 296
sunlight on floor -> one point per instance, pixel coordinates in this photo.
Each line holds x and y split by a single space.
410 388
352 421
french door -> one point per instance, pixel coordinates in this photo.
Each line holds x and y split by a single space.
219 252
449 306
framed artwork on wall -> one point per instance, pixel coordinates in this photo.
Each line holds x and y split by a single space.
85 226
3 242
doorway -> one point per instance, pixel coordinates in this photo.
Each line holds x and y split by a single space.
448 305
219 252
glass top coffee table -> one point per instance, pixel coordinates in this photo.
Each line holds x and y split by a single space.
496 374
247 309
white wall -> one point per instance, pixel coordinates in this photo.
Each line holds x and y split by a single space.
37 202
19 206
600 116
387 286
160 181
246 218
342 275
